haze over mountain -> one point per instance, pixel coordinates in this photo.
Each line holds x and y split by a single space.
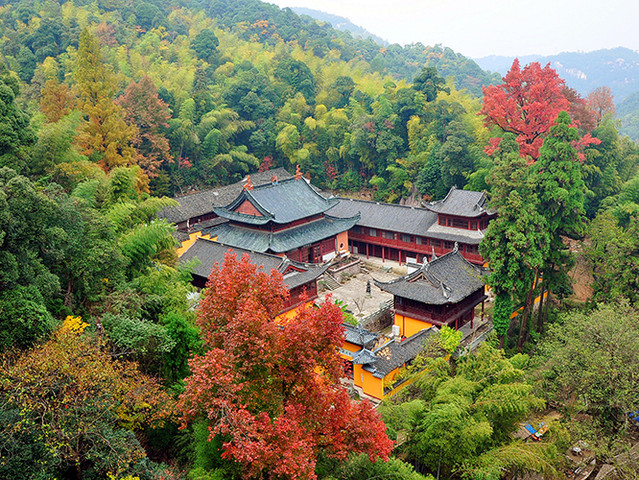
616 68
339 23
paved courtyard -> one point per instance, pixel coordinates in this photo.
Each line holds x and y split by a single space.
352 291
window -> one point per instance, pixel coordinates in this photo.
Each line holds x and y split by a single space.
372 232
388 235
421 241
357 229
407 238
436 243
459 223
473 225
472 249
448 245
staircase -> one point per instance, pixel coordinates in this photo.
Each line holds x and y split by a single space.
330 281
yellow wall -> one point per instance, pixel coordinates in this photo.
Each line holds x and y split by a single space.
368 383
350 346
535 301
410 326
289 314
186 244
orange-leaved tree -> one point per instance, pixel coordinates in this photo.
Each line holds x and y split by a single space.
104 136
271 390
78 404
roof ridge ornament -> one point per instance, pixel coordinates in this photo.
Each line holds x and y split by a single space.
433 256
444 290
298 172
248 185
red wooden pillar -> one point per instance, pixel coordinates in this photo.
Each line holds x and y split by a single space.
382 254
367 251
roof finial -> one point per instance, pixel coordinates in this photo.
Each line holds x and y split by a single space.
456 249
248 185
298 173
433 256
274 179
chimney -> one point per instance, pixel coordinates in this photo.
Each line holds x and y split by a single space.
396 336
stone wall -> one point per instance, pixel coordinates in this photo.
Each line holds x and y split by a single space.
380 319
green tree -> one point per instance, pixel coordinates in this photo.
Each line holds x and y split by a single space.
613 253
470 415
430 83
205 44
592 357
83 405
16 135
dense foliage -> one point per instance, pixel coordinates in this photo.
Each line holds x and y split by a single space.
109 107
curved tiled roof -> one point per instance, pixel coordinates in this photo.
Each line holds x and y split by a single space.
386 216
282 202
283 240
403 219
446 279
210 252
463 203
386 358
202 202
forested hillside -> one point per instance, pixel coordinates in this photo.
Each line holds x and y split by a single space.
248 84
340 23
108 369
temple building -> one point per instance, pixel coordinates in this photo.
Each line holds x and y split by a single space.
415 234
375 370
300 278
284 217
444 291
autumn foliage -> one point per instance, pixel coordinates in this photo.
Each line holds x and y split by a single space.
527 104
272 390
79 402
144 109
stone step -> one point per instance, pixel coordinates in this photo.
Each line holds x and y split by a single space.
330 281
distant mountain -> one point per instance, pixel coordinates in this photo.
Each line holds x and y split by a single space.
340 23
617 68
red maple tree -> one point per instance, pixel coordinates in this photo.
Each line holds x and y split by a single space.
527 105
271 389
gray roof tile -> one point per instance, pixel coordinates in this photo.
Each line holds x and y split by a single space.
209 253
464 203
358 335
284 240
403 219
283 202
202 202
386 216
386 358
446 279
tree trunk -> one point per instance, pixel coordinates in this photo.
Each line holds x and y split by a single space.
540 316
501 341
68 296
526 314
